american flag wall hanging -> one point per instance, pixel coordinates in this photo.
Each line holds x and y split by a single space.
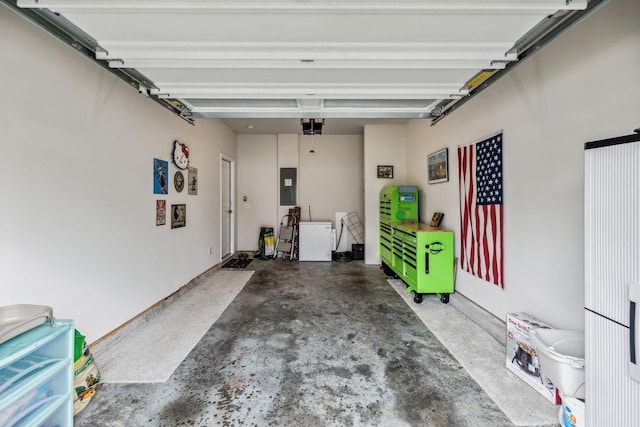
481 209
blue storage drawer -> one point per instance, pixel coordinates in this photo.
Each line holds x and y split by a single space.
36 377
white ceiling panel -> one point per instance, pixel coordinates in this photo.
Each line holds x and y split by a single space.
191 26
169 76
294 59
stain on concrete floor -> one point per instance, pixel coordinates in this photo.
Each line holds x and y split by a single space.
307 344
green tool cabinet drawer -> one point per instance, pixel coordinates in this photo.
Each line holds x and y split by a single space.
385 209
385 241
396 255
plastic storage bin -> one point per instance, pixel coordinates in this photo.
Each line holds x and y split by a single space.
36 377
572 412
19 318
561 356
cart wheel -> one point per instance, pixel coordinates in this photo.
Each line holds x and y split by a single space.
418 298
444 298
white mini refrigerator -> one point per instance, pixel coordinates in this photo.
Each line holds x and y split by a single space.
612 282
315 241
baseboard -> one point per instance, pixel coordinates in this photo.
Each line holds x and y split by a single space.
494 326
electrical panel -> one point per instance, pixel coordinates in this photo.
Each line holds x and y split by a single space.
288 186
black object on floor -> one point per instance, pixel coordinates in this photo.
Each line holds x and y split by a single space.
237 263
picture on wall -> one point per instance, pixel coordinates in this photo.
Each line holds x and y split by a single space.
178 215
160 173
178 181
436 220
438 164
385 171
193 180
161 212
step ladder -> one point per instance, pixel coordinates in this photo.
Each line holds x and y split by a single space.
287 244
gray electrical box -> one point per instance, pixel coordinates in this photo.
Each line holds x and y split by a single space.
288 185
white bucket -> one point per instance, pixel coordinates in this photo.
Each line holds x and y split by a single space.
561 358
571 412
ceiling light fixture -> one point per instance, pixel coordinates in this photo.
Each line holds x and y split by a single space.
312 126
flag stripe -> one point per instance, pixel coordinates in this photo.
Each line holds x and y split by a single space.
462 162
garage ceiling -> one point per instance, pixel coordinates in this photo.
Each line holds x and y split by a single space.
264 59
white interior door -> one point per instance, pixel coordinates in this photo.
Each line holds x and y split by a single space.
226 207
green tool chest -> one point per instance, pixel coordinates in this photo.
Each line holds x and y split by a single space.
421 255
397 203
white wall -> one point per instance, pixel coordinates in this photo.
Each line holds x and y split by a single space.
583 86
78 226
383 145
258 181
330 180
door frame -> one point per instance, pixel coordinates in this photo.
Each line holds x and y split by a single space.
232 202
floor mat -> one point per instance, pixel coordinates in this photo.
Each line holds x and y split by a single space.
237 263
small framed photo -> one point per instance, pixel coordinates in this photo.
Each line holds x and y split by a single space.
178 216
437 219
193 180
161 212
438 164
385 171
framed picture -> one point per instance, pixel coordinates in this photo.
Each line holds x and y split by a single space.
161 212
160 176
178 216
438 164
193 180
437 219
385 171
178 181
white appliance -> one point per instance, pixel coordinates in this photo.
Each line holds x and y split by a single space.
612 280
315 241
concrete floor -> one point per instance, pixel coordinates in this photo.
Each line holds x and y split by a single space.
307 344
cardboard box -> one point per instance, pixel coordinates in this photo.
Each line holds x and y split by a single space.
522 356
